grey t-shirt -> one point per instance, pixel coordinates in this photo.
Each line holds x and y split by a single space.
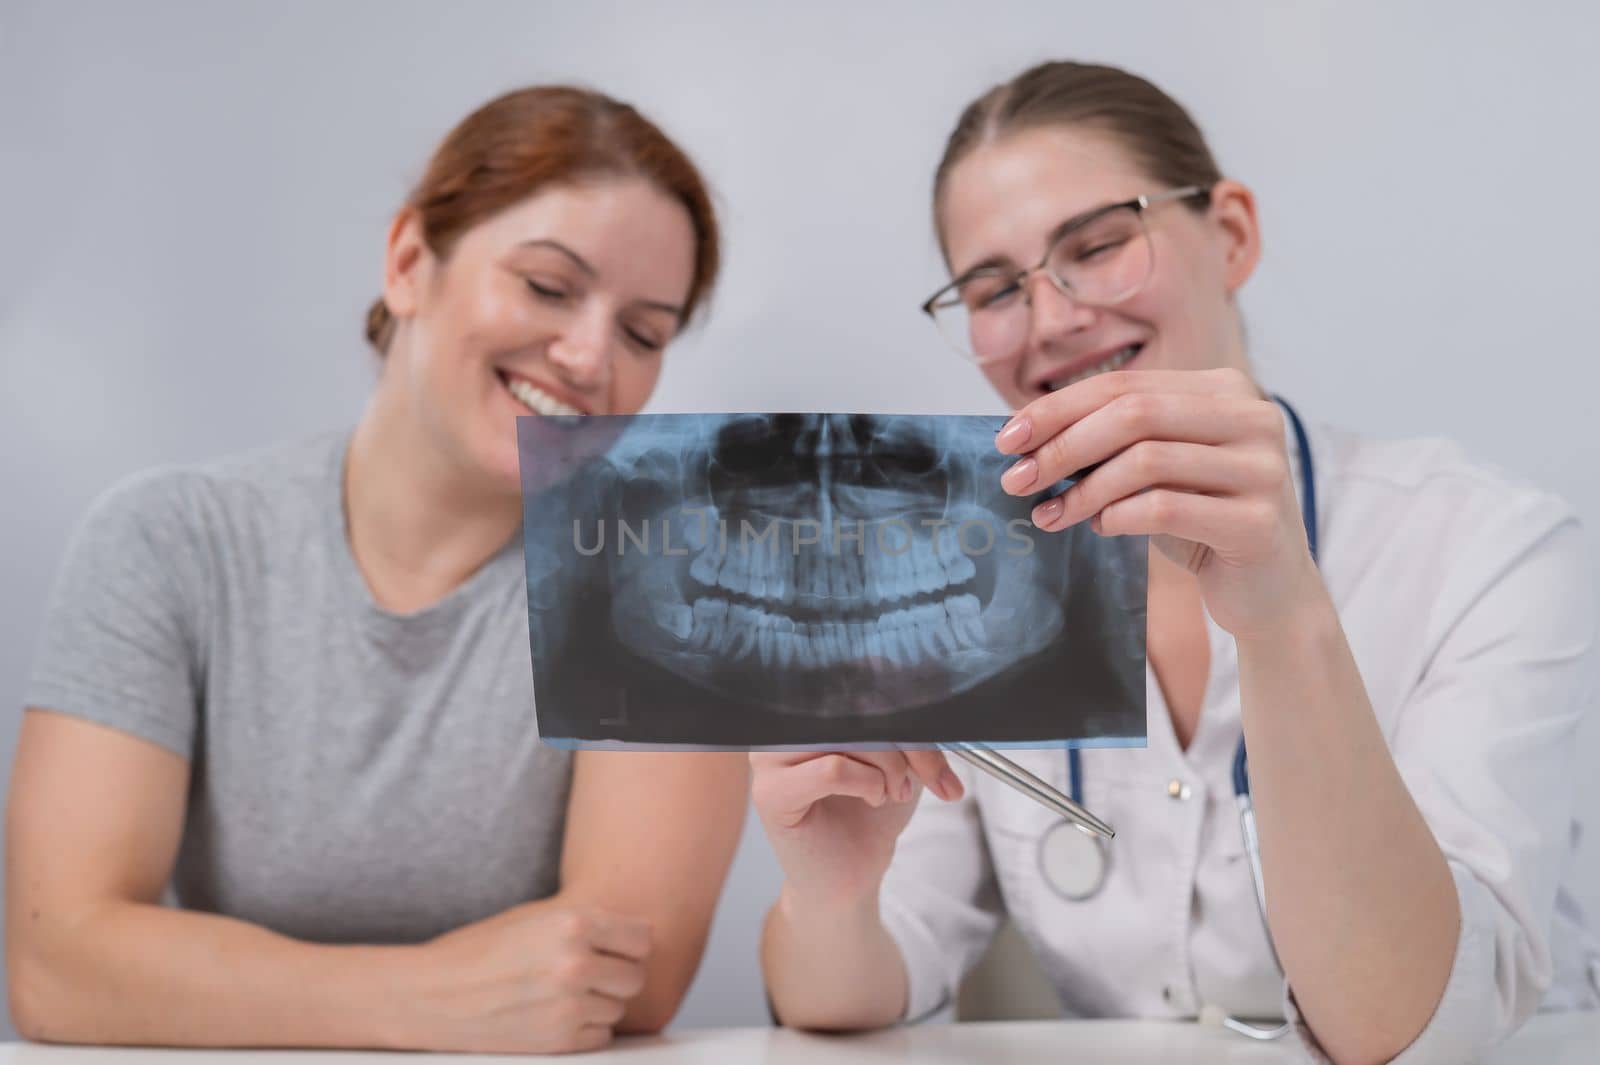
356 775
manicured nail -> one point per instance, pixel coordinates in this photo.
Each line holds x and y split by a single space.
949 785
1014 435
1047 512
1019 478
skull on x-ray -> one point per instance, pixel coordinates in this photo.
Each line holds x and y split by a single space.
825 564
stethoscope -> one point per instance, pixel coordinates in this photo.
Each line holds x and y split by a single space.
1074 862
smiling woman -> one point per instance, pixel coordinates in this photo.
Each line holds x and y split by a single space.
300 677
556 243
1354 816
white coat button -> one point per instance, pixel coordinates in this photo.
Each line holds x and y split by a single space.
1177 789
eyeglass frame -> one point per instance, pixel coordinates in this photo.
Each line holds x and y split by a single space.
1139 205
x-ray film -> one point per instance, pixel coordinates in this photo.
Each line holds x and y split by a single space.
815 580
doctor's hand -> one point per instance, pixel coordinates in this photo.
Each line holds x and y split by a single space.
1195 459
833 817
543 977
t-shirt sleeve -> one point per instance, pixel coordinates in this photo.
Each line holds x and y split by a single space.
119 641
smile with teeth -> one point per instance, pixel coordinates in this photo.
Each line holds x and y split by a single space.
1118 359
535 398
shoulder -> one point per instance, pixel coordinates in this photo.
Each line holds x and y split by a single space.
1419 528
1427 486
187 500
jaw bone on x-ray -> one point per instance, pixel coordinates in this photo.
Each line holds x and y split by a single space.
752 580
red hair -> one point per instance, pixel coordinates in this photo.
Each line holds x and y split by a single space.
521 142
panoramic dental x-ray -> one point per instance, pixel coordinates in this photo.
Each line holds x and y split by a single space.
791 580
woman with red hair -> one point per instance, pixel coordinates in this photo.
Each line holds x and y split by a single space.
288 693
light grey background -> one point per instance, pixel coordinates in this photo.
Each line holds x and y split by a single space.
193 200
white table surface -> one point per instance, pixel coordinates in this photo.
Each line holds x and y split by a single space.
1550 1039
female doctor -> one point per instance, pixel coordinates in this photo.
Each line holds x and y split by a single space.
1399 640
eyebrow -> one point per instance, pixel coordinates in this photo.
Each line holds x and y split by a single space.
583 264
578 260
994 262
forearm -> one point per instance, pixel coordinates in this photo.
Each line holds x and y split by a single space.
666 982
133 973
666 869
1361 903
674 957
834 969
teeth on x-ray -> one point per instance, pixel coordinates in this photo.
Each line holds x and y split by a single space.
904 637
785 577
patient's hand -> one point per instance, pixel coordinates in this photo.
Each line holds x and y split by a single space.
544 977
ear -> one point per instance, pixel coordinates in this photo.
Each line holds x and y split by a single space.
405 262
1233 209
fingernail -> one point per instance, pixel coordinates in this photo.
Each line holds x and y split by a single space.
1047 512
949 785
1018 478
1014 434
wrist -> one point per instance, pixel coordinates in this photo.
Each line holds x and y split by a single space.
1307 624
397 985
841 912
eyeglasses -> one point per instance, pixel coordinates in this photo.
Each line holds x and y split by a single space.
1098 258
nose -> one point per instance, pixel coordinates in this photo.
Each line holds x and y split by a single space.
1054 313
581 352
